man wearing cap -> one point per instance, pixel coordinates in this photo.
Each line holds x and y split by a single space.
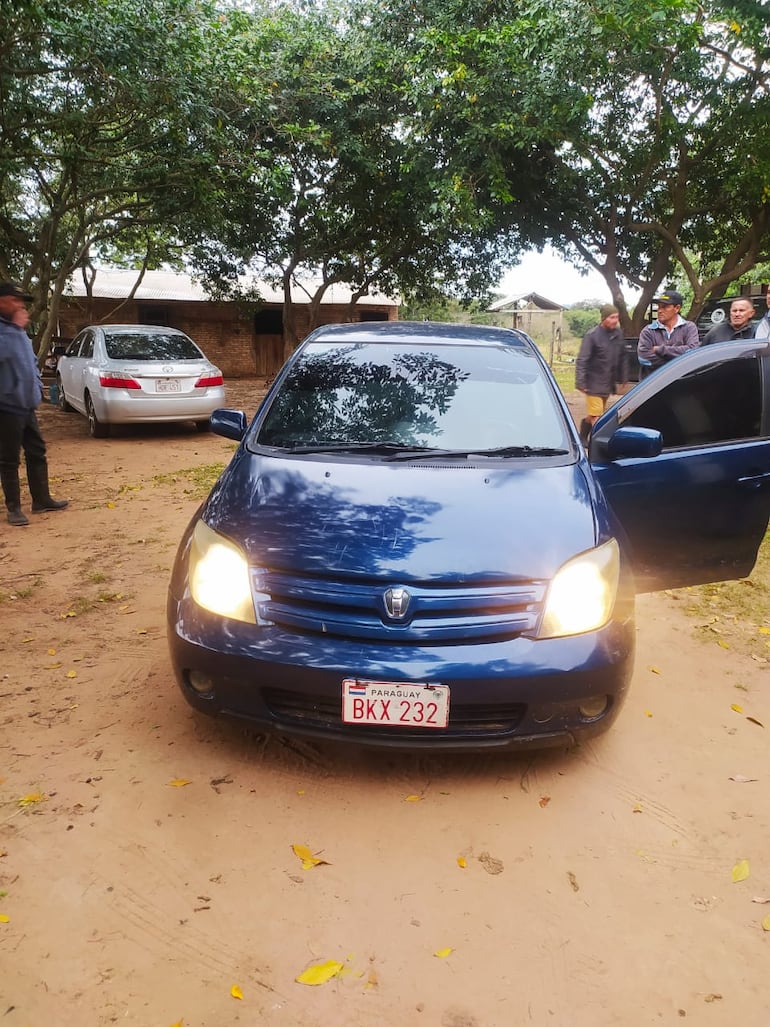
738 326
601 366
21 390
668 336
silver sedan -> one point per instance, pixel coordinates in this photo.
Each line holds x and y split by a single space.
134 374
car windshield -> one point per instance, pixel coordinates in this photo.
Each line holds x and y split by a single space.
461 397
158 345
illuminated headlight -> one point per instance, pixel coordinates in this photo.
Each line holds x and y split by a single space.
219 575
582 593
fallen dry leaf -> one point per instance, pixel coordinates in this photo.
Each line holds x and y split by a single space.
647 713
740 871
491 864
724 645
573 881
766 923
179 782
319 973
654 670
544 800
713 997
741 779
760 899
461 862
71 674
443 953
755 721
32 798
306 857
735 706
413 798
236 992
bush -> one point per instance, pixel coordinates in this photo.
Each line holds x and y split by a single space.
581 321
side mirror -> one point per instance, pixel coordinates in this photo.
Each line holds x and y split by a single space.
634 442
231 424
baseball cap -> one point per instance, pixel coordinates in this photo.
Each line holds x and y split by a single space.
670 296
12 289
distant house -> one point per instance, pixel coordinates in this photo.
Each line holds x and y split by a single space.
533 314
243 339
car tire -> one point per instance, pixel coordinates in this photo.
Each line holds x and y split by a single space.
64 406
203 426
96 428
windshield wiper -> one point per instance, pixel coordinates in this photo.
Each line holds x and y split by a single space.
500 451
388 448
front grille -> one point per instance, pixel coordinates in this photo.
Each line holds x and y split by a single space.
295 708
436 614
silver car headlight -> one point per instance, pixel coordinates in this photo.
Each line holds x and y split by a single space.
219 575
582 593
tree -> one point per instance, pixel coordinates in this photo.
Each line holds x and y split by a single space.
99 112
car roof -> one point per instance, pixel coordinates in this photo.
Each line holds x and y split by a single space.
420 332
148 329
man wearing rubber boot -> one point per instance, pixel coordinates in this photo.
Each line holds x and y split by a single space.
21 390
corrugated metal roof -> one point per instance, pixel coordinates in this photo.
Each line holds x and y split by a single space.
111 283
512 302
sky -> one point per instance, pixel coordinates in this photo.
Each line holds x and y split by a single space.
547 274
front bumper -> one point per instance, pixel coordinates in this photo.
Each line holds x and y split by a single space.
503 694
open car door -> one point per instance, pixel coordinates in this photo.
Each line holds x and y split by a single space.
684 462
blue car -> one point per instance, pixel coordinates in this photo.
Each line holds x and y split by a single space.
411 547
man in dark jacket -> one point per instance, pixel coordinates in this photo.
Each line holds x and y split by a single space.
601 366
21 390
739 326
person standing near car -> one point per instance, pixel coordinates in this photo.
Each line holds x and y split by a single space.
21 390
668 336
762 330
738 326
601 366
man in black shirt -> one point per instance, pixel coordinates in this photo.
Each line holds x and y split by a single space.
739 325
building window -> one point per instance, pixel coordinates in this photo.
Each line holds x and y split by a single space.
269 321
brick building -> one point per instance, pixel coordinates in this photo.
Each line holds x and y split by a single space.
243 339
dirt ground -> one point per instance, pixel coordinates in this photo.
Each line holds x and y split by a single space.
146 868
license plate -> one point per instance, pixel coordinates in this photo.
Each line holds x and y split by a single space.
167 385
394 704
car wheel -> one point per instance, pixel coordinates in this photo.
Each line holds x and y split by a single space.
63 404
203 425
96 429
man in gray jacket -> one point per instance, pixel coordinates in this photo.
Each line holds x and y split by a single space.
21 390
601 366
668 336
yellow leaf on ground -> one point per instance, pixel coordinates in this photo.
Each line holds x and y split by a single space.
637 808
764 631
413 798
721 642
4 919
32 798
443 953
648 713
52 652
654 670
737 707
461 862
29 639
741 871
110 505
766 923
179 782
306 857
236 992
71 674
319 973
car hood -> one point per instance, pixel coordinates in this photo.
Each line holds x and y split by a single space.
412 522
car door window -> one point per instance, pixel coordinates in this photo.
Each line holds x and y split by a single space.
87 349
718 403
